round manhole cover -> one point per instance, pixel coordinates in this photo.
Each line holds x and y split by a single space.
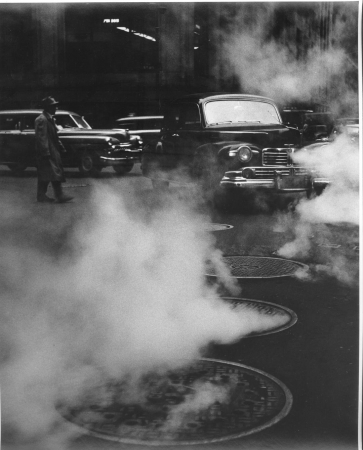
218 227
279 317
205 402
259 267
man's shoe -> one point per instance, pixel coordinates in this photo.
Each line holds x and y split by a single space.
64 199
45 199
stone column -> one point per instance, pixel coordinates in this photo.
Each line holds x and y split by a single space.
49 22
176 45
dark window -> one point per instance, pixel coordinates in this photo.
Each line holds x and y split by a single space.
65 121
126 125
151 124
184 116
9 122
28 121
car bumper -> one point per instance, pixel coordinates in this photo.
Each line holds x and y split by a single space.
278 184
132 156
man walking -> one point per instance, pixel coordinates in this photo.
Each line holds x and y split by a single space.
48 149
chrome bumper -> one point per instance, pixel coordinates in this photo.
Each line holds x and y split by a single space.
279 183
131 156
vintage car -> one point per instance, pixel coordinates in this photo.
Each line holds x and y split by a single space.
88 149
148 127
230 142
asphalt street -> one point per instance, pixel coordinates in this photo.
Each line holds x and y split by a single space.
317 358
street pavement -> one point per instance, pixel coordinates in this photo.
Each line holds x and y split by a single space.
317 358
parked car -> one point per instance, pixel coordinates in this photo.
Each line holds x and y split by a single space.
88 149
230 142
148 127
313 126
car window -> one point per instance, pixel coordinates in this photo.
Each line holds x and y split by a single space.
240 111
126 125
65 121
81 122
28 121
9 122
184 116
151 124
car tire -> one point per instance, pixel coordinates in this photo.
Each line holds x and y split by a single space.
86 165
17 169
121 170
160 185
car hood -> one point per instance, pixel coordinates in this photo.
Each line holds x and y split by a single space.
271 136
121 135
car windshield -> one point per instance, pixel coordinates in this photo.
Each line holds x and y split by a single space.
81 122
71 121
240 111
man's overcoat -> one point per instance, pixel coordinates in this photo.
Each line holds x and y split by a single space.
48 148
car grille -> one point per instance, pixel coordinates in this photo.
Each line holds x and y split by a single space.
275 157
269 172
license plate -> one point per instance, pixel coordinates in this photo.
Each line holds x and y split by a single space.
292 182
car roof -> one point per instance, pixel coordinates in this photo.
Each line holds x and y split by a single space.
220 95
125 119
34 111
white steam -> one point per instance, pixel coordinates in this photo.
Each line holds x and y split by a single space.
203 396
339 162
130 297
280 67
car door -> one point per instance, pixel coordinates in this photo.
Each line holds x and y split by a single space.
11 150
27 139
179 139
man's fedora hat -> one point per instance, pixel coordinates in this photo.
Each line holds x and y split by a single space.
48 101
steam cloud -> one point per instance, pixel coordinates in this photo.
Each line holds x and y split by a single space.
337 161
128 298
270 66
268 62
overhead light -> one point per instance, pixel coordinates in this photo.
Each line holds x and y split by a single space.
145 36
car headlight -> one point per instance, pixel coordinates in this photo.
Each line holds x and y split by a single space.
244 153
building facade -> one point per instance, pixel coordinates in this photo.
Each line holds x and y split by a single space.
107 60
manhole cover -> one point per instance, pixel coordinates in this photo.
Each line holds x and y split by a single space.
207 401
259 267
218 227
280 317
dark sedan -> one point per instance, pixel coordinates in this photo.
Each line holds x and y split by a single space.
88 149
230 141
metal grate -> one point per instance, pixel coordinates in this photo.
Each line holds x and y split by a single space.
259 267
280 317
252 401
274 157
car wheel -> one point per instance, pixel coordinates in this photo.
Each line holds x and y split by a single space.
86 165
17 169
123 169
160 185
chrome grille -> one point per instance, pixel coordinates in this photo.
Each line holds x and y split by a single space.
301 171
269 172
264 172
275 157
